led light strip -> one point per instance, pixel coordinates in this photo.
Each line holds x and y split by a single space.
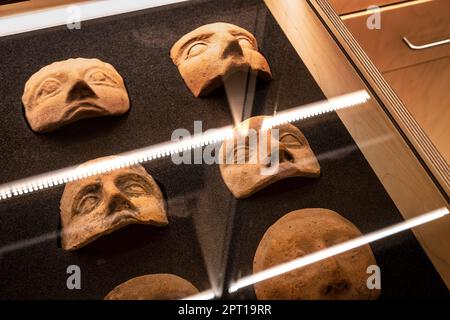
318 108
121 161
337 249
138 156
58 16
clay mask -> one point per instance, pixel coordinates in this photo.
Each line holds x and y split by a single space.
303 232
153 287
101 204
70 90
288 150
208 55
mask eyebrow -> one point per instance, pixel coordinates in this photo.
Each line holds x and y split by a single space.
135 177
194 39
292 134
106 70
248 35
94 187
240 33
85 184
56 75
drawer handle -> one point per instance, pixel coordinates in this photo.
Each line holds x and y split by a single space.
425 46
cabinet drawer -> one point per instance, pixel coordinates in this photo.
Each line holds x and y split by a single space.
424 90
348 6
420 21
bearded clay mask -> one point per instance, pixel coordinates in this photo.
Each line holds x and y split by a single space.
101 204
153 287
208 55
303 232
286 147
70 90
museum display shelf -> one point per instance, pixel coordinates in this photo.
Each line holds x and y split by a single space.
112 196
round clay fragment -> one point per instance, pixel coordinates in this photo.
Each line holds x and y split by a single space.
153 287
302 232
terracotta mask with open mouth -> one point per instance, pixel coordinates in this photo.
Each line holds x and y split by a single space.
249 164
207 56
101 204
73 89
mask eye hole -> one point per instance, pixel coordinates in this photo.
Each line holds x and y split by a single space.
88 199
196 49
133 185
245 42
290 140
100 78
134 188
88 204
48 89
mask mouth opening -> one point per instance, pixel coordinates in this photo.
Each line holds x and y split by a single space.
88 108
336 288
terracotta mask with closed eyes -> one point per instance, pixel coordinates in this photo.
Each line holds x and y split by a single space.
207 56
246 168
73 89
101 204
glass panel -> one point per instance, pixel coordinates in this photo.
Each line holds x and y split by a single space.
203 207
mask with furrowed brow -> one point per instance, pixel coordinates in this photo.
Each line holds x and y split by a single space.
101 204
66 91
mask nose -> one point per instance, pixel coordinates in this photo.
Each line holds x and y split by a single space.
118 202
336 288
81 90
284 154
281 155
233 48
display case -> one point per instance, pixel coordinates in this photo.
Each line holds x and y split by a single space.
354 208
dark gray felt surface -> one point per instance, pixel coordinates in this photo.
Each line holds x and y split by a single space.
202 213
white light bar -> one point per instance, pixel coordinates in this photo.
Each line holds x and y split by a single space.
337 249
318 108
123 160
146 154
61 15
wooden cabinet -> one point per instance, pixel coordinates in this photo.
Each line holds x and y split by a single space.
10 8
418 21
421 78
349 6
424 88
